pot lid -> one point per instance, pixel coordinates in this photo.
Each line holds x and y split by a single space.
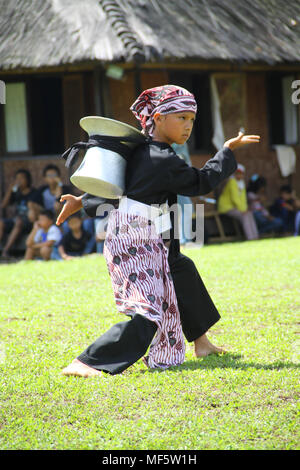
98 125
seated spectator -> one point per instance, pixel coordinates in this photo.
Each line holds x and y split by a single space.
20 194
233 202
256 197
287 208
88 224
77 241
43 238
50 193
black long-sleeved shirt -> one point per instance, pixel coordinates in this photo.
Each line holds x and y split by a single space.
155 174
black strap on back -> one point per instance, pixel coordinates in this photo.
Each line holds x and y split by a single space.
113 143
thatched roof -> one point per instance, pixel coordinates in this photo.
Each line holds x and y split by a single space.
39 33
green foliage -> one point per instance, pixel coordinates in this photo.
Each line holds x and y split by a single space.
246 399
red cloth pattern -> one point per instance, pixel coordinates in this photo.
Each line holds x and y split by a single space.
137 261
164 100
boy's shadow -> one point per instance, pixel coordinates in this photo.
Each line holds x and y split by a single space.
226 361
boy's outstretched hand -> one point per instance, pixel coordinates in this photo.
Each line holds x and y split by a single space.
241 140
72 205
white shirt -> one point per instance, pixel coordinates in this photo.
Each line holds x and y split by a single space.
53 234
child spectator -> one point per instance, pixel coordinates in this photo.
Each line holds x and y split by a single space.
287 208
233 202
77 241
256 197
43 238
21 194
49 194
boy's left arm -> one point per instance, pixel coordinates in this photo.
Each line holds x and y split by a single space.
191 181
228 163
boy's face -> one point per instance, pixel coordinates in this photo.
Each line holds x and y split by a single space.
51 177
44 222
175 127
74 223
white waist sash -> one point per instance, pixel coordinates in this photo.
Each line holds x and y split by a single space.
159 215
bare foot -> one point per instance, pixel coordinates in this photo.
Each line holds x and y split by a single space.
203 347
80 369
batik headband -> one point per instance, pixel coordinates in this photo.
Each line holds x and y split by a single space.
163 100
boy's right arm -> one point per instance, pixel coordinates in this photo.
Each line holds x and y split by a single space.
91 203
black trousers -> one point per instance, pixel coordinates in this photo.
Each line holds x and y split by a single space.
126 342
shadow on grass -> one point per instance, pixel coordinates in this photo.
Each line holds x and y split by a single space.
227 361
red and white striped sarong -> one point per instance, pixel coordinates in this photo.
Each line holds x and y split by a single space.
137 261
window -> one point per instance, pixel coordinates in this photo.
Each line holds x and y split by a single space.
283 117
15 117
33 116
46 113
199 85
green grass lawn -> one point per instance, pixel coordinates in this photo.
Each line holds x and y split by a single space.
246 399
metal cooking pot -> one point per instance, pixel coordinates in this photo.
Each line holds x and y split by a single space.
102 171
